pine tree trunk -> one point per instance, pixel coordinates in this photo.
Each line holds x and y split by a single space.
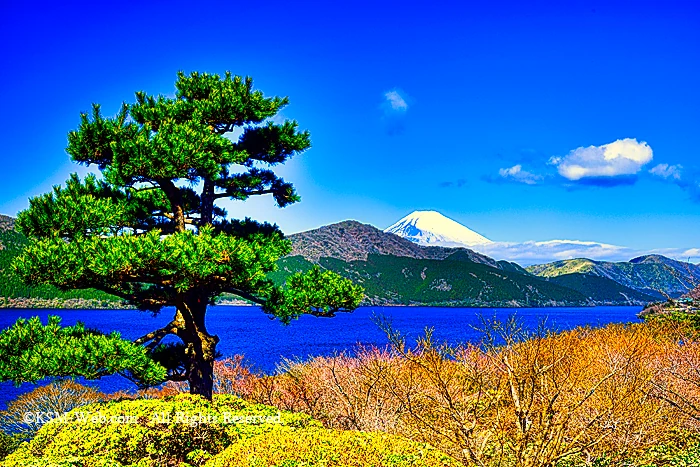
200 371
200 347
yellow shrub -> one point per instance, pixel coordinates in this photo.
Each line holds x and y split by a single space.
155 432
314 447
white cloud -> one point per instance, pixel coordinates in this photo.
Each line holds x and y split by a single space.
519 175
667 171
621 157
395 101
531 252
680 254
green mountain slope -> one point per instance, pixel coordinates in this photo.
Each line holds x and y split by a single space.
392 279
513 267
396 280
601 289
393 271
559 268
653 275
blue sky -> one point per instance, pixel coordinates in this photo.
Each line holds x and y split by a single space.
523 122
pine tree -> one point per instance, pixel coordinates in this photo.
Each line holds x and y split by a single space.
149 229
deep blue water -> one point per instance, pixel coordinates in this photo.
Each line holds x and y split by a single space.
265 342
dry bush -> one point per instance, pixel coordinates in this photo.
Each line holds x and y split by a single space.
450 398
583 391
678 380
518 399
231 376
44 403
341 391
165 390
534 400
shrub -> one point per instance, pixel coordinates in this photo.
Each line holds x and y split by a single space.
343 392
330 448
8 443
680 449
232 375
520 399
678 379
55 398
153 432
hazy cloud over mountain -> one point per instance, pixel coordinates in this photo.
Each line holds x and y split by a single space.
534 252
430 228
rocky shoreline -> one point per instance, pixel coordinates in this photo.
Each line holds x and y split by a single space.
83 304
60 303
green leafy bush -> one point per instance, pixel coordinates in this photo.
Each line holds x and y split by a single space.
187 431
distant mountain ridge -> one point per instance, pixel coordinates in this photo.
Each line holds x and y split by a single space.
602 290
352 240
654 275
394 270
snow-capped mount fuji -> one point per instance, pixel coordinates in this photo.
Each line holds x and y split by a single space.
433 229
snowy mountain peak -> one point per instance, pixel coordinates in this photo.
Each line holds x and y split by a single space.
432 228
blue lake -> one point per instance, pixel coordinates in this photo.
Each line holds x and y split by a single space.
265 342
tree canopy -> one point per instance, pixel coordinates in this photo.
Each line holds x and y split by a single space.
149 230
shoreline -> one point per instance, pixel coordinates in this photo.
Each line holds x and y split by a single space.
69 305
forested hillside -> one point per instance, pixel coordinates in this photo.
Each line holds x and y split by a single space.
395 271
653 275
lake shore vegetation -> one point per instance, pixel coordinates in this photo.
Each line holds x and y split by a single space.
621 395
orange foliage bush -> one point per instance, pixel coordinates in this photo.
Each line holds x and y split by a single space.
678 379
519 399
343 392
516 399
231 376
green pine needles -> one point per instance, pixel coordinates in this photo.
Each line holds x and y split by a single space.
149 230
31 352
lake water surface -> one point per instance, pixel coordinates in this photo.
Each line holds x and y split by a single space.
265 342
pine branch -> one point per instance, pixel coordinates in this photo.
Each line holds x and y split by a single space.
158 334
